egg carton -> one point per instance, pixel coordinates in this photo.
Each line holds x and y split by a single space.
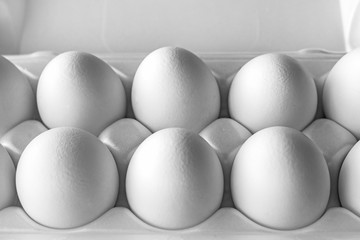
225 35
225 223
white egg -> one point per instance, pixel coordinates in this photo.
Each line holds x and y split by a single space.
7 179
341 98
80 90
174 179
17 99
349 180
273 90
280 179
66 178
174 88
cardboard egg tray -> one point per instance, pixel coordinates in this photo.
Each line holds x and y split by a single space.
227 222
224 34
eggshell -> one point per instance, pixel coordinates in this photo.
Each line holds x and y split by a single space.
273 90
349 180
80 90
341 98
7 180
17 100
174 179
66 178
280 179
174 88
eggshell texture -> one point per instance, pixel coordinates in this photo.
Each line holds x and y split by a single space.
174 88
349 180
341 98
7 180
272 90
174 179
280 179
17 100
66 178
80 90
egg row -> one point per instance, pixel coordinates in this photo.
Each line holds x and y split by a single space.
279 177
172 87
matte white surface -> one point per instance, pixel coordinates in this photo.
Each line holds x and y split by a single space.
280 179
349 180
273 90
341 96
174 180
80 90
173 87
66 178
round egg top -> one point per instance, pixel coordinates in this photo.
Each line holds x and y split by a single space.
174 88
349 180
80 90
174 179
66 178
280 179
341 98
273 90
